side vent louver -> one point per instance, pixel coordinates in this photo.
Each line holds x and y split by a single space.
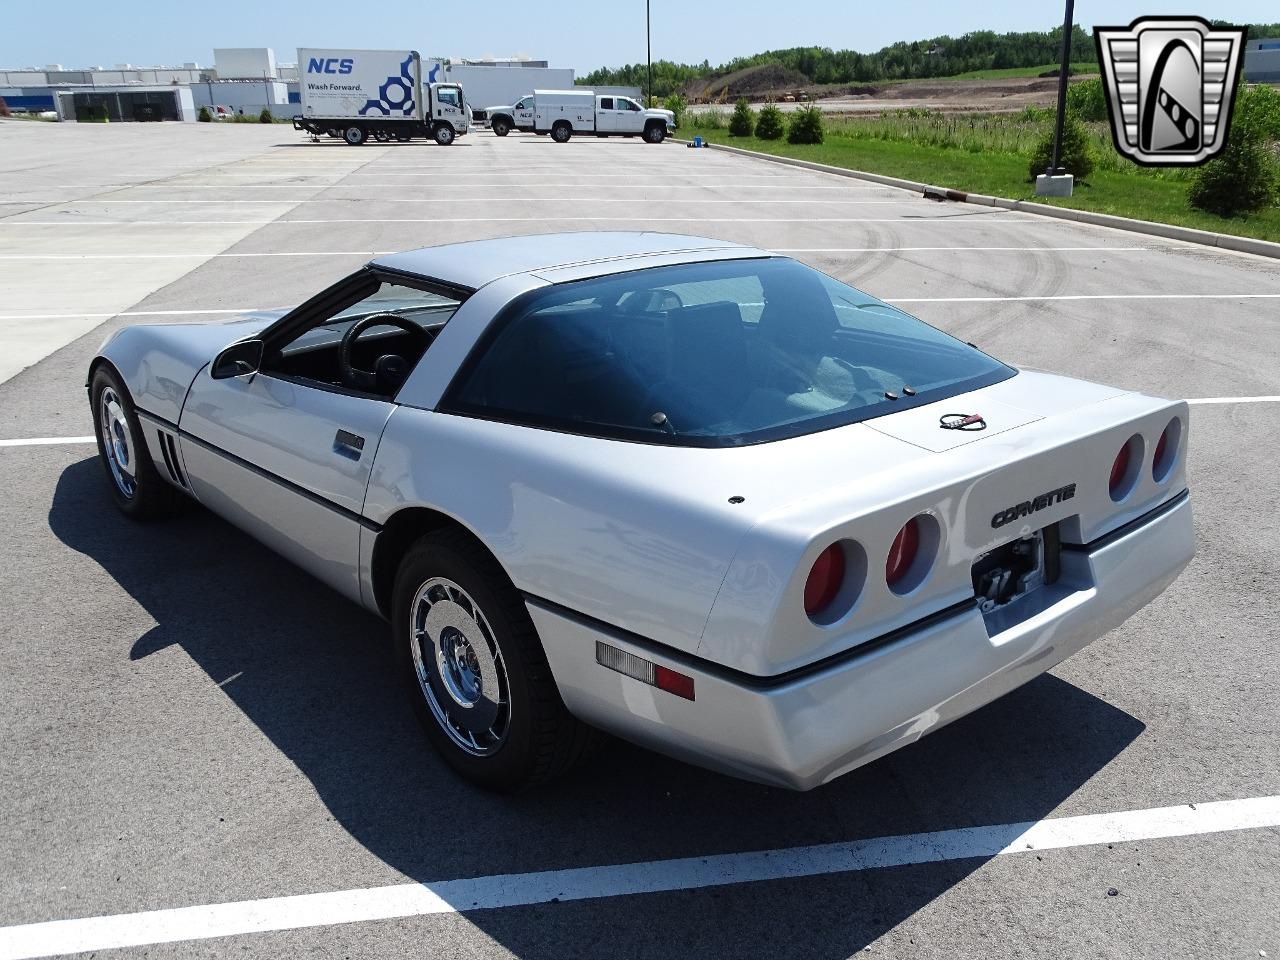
169 449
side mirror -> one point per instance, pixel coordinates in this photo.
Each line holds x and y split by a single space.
237 360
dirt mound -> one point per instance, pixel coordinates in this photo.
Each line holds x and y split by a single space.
767 79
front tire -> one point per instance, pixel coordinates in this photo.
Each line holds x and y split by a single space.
561 132
655 133
136 485
475 669
444 134
355 136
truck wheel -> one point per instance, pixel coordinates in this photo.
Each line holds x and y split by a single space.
355 136
500 127
475 670
444 134
381 136
561 132
655 133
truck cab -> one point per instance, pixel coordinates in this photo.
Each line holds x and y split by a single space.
448 107
516 116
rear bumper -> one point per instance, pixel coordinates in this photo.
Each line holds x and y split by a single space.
805 729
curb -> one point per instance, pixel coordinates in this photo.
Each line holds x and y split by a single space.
1224 241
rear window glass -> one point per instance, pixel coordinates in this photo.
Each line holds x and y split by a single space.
710 354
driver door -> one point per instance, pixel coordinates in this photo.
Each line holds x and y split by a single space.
285 451
524 114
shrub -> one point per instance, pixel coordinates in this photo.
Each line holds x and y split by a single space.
743 121
1078 156
1257 113
1240 180
1087 100
770 125
706 119
265 116
805 126
677 104
204 116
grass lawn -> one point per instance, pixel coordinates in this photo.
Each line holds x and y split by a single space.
1005 175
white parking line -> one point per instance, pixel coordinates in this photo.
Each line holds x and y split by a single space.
655 876
956 220
512 199
375 253
46 441
1211 400
132 313
1090 296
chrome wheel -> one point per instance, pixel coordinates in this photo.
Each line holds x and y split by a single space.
117 442
459 666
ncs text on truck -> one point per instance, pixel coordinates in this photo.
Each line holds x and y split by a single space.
384 94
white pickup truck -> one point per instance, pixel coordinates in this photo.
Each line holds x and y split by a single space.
562 113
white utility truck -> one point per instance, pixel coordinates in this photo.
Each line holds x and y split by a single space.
384 94
562 113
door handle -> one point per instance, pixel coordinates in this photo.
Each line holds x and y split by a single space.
347 443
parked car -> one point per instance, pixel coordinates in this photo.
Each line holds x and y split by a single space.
684 491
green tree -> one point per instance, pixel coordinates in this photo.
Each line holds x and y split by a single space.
265 116
1077 155
1241 180
204 116
805 126
743 121
771 125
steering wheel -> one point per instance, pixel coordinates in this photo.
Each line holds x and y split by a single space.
391 370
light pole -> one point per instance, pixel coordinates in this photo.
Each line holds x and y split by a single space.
1055 182
648 54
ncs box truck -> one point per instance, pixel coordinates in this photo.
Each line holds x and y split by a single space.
383 94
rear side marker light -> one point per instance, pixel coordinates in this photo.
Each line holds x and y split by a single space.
637 668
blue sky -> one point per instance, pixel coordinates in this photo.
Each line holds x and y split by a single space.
569 33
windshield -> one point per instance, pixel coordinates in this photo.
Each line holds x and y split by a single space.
711 354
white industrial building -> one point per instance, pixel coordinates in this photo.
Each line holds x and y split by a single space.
1262 60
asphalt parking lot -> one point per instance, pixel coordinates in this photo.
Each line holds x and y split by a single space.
187 720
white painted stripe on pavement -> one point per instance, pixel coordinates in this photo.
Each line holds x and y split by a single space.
436 200
132 313
376 253
966 219
46 441
1091 296
1212 400
655 876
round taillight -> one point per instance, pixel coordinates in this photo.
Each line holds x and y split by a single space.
825 578
1119 470
1166 455
903 552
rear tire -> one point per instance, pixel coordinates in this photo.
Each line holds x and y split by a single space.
354 136
500 127
561 132
443 134
136 485
475 669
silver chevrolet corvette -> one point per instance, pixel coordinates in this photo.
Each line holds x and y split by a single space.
683 491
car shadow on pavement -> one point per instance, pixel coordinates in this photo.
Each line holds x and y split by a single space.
315 674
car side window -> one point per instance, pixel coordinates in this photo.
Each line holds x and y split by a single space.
606 103
628 105
386 351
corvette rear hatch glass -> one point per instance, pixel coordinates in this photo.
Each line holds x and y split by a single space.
710 354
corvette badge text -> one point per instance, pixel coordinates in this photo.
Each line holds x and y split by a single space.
1028 507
